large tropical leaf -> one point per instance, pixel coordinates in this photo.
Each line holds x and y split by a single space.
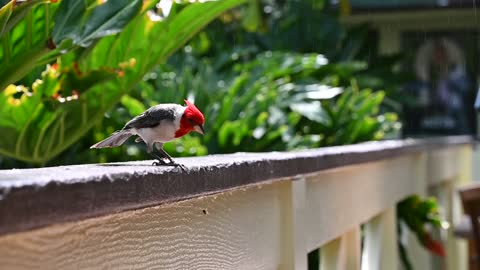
5 13
35 32
24 40
15 11
54 125
106 19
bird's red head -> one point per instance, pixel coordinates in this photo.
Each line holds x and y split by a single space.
192 120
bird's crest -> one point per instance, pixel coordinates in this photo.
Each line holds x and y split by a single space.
194 113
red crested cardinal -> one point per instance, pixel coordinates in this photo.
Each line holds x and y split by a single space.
159 124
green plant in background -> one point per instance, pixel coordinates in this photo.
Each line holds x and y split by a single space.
287 100
354 117
34 33
279 101
421 216
309 26
91 69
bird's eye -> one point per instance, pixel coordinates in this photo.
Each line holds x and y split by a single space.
191 121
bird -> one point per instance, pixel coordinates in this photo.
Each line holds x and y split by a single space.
157 125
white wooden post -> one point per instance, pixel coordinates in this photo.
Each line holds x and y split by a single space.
419 257
458 248
380 244
343 253
294 248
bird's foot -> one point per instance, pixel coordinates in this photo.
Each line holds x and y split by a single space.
177 165
182 167
160 162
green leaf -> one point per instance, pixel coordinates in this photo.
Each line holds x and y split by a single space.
252 21
134 106
317 91
311 110
48 85
20 10
25 42
108 19
23 46
342 106
224 133
58 123
5 13
189 21
68 20
73 22
74 79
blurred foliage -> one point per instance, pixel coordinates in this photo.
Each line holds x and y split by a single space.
260 91
279 101
89 69
256 72
421 216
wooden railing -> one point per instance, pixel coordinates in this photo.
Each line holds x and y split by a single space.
239 211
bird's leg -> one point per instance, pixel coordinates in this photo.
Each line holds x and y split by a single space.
162 152
160 161
165 154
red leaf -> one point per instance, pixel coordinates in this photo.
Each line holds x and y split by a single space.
434 246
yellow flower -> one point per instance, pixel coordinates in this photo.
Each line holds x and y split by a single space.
20 91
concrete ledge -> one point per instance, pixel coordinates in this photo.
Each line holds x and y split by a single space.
33 198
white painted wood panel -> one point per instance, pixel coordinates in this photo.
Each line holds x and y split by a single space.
340 199
296 203
457 248
240 230
419 256
343 253
443 165
380 243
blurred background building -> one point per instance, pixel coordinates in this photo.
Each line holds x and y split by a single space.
438 42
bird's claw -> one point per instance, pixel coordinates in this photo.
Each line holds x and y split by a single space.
171 163
178 165
159 162
182 167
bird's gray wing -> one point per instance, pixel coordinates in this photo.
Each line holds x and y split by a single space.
152 117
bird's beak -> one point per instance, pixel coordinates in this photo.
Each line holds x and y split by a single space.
199 129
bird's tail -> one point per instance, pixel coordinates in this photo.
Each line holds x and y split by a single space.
116 139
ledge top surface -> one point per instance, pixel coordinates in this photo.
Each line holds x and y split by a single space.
34 198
